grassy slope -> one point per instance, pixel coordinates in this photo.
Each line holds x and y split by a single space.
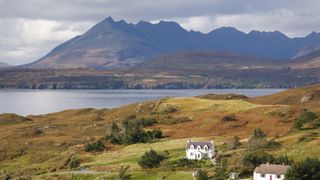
293 97
64 133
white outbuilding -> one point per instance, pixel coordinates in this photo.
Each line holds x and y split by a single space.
270 172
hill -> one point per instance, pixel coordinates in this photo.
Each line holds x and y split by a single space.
305 96
43 146
118 44
308 60
180 70
203 61
4 65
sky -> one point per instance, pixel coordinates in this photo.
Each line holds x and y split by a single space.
29 29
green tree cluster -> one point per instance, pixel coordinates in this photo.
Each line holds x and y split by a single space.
309 169
306 119
94 147
132 132
151 159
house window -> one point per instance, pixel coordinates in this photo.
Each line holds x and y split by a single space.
191 154
191 147
263 175
198 147
206 148
278 176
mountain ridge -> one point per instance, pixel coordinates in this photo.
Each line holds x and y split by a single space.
118 44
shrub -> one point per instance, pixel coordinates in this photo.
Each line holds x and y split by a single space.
309 169
37 132
229 117
252 160
115 136
304 118
258 134
133 132
221 170
202 175
94 147
256 158
170 109
150 159
156 134
123 173
74 163
235 143
146 122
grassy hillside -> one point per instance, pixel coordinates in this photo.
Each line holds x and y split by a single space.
42 146
306 96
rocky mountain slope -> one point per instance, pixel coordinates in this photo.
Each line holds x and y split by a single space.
311 59
111 44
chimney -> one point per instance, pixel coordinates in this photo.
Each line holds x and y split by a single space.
189 141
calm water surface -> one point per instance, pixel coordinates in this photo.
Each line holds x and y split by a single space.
25 102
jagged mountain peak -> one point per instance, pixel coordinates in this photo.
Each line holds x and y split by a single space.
113 43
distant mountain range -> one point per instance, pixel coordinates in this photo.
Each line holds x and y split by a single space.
118 44
4 65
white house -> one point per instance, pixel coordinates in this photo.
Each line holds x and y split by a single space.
270 172
200 150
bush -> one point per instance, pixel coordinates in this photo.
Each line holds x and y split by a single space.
151 159
74 163
221 170
235 143
309 169
305 117
258 134
256 158
94 147
146 122
229 117
171 109
156 134
115 136
37 132
202 175
133 132
123 173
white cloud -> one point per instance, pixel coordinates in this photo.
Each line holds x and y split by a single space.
25 40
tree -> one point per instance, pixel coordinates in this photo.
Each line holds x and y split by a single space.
256 158
235 142
74 163
258 134
282 160
156 134
150 159
123 173
115 137
202 175
221 169
95 146
309 169
304 118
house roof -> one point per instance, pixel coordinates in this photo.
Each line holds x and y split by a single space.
201 144
272 169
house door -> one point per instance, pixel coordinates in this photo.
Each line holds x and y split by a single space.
270 177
